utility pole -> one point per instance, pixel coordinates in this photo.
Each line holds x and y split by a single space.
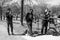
22 3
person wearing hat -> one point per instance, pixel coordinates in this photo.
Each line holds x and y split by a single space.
9 19
45 22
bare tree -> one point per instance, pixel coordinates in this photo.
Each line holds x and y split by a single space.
1 6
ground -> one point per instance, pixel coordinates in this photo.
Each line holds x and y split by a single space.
18 29
4 35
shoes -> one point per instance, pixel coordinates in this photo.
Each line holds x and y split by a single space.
42 34
33 35
35 32
12 33
24 32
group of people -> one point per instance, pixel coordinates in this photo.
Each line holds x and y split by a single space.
45 20
9 18
29 19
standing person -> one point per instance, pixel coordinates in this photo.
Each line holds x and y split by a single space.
45 22
29 20
9 18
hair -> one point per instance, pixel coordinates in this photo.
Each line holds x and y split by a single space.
9 9
31 9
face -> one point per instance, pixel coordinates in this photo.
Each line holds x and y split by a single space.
8 11
47 13
31 11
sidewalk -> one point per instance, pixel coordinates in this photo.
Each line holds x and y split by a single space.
5 36
19 29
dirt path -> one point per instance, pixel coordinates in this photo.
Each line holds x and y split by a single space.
5 36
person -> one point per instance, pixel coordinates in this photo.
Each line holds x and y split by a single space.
9 18
45 22
29 20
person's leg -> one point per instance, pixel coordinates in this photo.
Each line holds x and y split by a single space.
28 24
46 25
45 29
11 25
42 29
31 28
8 28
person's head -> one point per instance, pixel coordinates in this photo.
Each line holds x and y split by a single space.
9 10
49 12
31 10
46 10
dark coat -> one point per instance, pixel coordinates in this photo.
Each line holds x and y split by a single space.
28 18
9 17
45 19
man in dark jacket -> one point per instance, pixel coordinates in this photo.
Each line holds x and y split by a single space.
45 22
9 18
29 20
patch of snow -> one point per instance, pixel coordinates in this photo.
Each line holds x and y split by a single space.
45 37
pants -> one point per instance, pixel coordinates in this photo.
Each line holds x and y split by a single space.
44 25
29 27
10 25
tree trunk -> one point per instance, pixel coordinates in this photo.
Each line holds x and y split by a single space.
1 13
22 3
16 17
